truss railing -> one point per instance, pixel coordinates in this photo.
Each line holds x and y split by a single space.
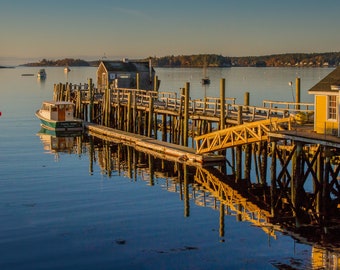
239 135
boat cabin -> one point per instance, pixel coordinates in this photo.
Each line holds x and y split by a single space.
123 74
327 104
57 110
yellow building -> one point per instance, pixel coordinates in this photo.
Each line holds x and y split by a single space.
327 104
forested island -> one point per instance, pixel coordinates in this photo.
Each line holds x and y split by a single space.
214 60
58 63
275 60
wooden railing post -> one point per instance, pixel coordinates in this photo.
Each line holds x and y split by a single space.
222 103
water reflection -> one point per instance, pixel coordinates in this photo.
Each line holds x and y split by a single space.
56 142
211 187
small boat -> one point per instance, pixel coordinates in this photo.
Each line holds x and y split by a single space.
41 73
205 80
67 69
58 116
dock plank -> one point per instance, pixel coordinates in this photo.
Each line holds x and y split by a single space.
158 148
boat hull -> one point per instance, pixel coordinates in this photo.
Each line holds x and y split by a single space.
62 133
60 125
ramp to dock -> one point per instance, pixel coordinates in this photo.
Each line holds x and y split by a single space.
152 146
239 135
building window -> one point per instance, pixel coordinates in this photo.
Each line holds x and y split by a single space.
332 104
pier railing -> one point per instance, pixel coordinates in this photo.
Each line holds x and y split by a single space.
209 106
174 103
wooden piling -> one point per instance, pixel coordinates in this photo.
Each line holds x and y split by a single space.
134 113
91 99
155 83
129 113
246 101
164 128
297 177
186 190
298 92
137 81
239 115
150 116
273 177
186 114
247 162
222 103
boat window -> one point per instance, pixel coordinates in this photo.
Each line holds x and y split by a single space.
53 109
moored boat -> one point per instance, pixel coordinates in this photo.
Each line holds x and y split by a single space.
205 80
41 73
58 116
67 69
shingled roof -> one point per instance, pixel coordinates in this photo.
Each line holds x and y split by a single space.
330 83
126 66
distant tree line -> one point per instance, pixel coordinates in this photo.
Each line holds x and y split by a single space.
289 60
59 63
200 60
214 60
275 60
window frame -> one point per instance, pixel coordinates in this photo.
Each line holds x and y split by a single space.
332 108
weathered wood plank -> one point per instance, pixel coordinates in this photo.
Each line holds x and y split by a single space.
180 153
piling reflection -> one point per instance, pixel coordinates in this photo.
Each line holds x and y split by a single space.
274 212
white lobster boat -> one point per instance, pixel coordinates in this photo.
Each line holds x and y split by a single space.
58 116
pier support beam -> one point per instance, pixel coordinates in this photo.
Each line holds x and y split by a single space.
129 113
297 92
91 100
186 113
137 81
246 101
222 103
155 83
150 116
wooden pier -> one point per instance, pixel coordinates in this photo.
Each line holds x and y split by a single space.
170 117
163 123
263 163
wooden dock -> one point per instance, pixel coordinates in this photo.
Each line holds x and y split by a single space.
161 124
158 148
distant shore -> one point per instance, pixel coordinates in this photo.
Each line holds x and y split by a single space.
330 59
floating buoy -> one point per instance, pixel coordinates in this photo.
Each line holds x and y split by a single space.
0 113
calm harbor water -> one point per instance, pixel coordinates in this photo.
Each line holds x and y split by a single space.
61 211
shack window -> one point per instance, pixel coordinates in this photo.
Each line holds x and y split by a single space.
332 104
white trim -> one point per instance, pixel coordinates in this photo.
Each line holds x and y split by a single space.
323 93
336 108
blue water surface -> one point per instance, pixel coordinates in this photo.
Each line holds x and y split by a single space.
57 214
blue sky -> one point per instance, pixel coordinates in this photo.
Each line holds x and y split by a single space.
37 29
